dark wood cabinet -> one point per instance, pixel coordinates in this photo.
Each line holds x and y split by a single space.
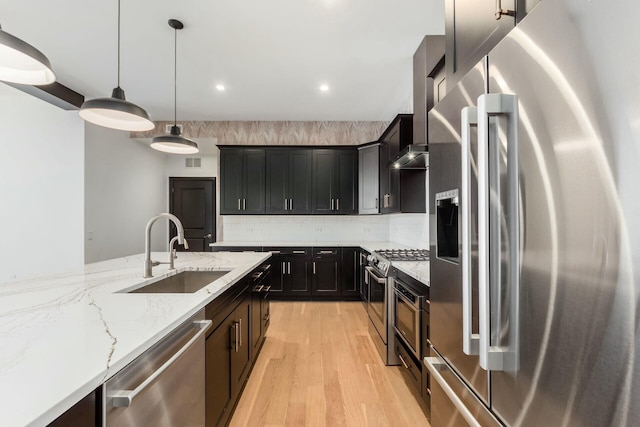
242 181
349 270
85 413
296 280
288 181
325 272
241 345
227 351
396 137
290 272
363 286
335 178
218 391
472 30
260 288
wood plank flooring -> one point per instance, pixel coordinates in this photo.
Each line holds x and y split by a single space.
319 367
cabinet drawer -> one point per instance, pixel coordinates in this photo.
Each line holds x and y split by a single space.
289 251
410 368
323 252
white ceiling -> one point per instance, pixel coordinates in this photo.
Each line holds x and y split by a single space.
272 55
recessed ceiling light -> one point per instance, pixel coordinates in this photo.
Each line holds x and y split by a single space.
220 87
324 88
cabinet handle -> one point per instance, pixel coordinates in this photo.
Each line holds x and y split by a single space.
299 252
500 11
285 204
290 204
403 362
240 331
337 204
239 207
283 267
244 204
331 204
314 267
325 252
289 268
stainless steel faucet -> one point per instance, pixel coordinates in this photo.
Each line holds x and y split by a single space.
148 264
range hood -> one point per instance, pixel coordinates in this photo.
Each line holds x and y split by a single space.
415 156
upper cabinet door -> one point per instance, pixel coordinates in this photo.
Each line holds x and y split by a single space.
300 180
277 175
346 196
242 181
324 181
472 30
230 181
253 165
368 173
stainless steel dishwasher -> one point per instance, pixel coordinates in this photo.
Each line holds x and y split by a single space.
164 386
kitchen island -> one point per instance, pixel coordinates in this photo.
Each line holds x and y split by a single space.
63 335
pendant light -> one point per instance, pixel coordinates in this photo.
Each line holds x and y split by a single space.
116 112
174 142
22 63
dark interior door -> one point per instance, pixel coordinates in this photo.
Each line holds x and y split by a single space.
192 200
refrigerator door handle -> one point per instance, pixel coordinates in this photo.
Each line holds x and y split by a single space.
434 365
470 341
496 356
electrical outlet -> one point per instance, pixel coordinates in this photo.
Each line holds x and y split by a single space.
90 235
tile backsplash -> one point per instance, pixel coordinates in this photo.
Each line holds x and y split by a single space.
407 229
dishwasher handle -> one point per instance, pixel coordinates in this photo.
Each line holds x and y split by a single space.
124 398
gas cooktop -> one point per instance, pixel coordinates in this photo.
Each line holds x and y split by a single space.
404 254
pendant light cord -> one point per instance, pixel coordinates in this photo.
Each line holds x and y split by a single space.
175 77
118 43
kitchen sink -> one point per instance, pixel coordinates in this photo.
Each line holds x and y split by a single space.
181 283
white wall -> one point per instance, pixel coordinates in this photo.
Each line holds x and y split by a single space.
125 185
176 166
41 190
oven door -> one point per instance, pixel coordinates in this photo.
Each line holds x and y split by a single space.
407 322
377 305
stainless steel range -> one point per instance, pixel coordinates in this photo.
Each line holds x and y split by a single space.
380 308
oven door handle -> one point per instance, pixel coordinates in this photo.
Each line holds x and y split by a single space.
407 300
373 275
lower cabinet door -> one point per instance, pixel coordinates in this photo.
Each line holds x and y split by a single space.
256 321
218 393
324 276
296 280
241 352
349 272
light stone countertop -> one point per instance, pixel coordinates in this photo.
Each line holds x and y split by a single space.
369 246
63 335
419 270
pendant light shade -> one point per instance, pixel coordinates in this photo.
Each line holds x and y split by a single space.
174 142
116 112
22 63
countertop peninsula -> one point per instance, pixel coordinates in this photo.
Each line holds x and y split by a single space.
63 335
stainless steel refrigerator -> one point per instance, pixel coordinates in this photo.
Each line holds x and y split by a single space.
535 188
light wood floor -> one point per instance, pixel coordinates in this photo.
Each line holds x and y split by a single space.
319 367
